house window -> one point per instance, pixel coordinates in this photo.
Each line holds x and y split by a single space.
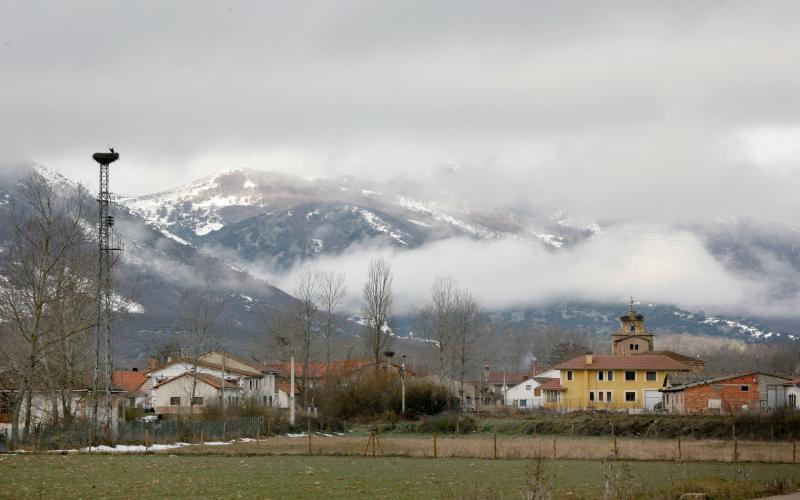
792 400
630 396
537 392
527 387
633 328
745 388
630 376
631 347
635 347
600 375
569 375
591 396
608 396
600 396
523 403
610 376
175 401
651 376
198 401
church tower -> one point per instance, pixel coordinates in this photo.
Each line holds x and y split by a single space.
631 338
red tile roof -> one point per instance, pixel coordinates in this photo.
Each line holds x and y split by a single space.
552 384
511 378
129 380
285 386
319 369
604 362
793 382
205 377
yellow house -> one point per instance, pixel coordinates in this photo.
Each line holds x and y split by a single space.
611 382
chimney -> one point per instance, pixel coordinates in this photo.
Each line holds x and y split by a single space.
152 363
486 372
589 358
534 367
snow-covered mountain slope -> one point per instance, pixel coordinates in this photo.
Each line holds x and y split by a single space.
255 206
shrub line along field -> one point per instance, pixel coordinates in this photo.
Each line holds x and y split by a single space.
215 476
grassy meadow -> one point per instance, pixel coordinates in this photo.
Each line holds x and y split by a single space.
221 476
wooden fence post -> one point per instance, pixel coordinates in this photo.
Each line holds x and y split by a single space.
735 450
554 446
794 451
201 436
309 441
258 438
145 441
573 429
434 445
494 448
680 457
614 439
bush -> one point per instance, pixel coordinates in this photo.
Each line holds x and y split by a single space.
444 423
376 394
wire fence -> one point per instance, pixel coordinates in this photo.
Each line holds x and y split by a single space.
81 435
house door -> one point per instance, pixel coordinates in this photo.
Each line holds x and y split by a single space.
651 398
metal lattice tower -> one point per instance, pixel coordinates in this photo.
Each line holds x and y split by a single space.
103 340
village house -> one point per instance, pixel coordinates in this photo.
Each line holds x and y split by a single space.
528 395
190 393
629 379
692 393
220 375
134 383
49 405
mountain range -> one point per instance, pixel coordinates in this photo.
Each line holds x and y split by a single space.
205 233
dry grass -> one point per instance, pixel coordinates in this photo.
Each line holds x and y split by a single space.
515 447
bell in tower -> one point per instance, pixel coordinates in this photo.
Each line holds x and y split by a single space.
631 338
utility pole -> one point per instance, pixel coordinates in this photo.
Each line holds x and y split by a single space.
403 386
291 391
103 340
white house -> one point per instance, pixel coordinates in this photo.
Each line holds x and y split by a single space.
243 379
174 395
528 394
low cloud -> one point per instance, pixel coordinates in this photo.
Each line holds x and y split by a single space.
512 273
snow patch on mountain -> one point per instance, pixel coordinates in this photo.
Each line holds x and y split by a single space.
379 224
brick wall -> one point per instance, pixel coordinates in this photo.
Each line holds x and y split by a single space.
728 391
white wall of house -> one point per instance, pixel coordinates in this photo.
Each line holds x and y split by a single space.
43 410
256 385
527 394
524 395
181 388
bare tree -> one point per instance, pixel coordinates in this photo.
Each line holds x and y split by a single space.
200 312
305 291
436 321
332 292
45 268
165 349
468 324
377 308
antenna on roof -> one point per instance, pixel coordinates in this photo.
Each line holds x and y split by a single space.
633 311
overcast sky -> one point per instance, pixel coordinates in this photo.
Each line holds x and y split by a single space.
679 108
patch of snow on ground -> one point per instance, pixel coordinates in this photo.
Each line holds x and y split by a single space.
248 184
208 227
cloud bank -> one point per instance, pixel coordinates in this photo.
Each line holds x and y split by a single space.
515 274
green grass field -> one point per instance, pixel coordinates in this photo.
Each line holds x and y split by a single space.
73 476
